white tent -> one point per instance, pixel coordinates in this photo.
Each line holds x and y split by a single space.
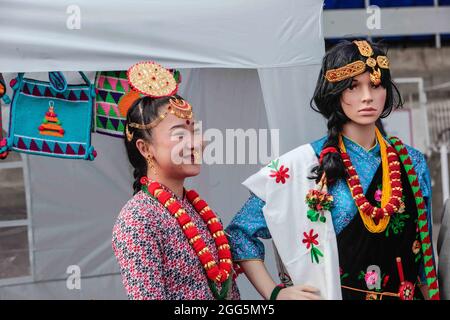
245 64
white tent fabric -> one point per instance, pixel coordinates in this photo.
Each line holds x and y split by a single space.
44 35
238 60
286 94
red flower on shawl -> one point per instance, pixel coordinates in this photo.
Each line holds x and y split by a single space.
280 175
310 239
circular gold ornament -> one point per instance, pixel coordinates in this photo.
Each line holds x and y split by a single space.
371 62
152 79
383 62
180 108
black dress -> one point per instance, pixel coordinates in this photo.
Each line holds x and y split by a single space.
369 261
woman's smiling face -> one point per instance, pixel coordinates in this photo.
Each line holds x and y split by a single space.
176 146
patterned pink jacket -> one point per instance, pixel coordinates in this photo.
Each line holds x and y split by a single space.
156 260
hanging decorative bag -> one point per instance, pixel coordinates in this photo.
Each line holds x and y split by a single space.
114 97
3 154
112 102
51 118
6 100
3 95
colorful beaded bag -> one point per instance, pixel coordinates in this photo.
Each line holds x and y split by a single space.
51 118
112 102
114 97
5 98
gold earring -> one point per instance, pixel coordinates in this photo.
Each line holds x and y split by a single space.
197 156
151 164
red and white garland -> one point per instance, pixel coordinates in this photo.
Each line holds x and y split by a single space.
217 272
395 182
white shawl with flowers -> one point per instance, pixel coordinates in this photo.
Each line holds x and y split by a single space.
307 249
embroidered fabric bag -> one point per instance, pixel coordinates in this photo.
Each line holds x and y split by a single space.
111 102
51 118
3 154
3 96
114 97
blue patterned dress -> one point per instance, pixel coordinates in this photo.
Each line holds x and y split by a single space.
249 226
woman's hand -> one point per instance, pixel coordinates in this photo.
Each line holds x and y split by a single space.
299 292
258 275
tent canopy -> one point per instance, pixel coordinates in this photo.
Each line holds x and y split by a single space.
112 35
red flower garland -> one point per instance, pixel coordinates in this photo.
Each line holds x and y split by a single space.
217 273
357 190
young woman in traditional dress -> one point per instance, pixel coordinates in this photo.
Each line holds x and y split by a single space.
168 242
349 214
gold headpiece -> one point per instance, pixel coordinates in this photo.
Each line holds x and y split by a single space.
358 67
151 79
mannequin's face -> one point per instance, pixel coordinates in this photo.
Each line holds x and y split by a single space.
363 102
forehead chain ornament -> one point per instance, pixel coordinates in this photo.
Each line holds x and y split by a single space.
358 67
153 80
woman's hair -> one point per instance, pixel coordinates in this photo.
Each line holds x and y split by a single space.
143 111
327 101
